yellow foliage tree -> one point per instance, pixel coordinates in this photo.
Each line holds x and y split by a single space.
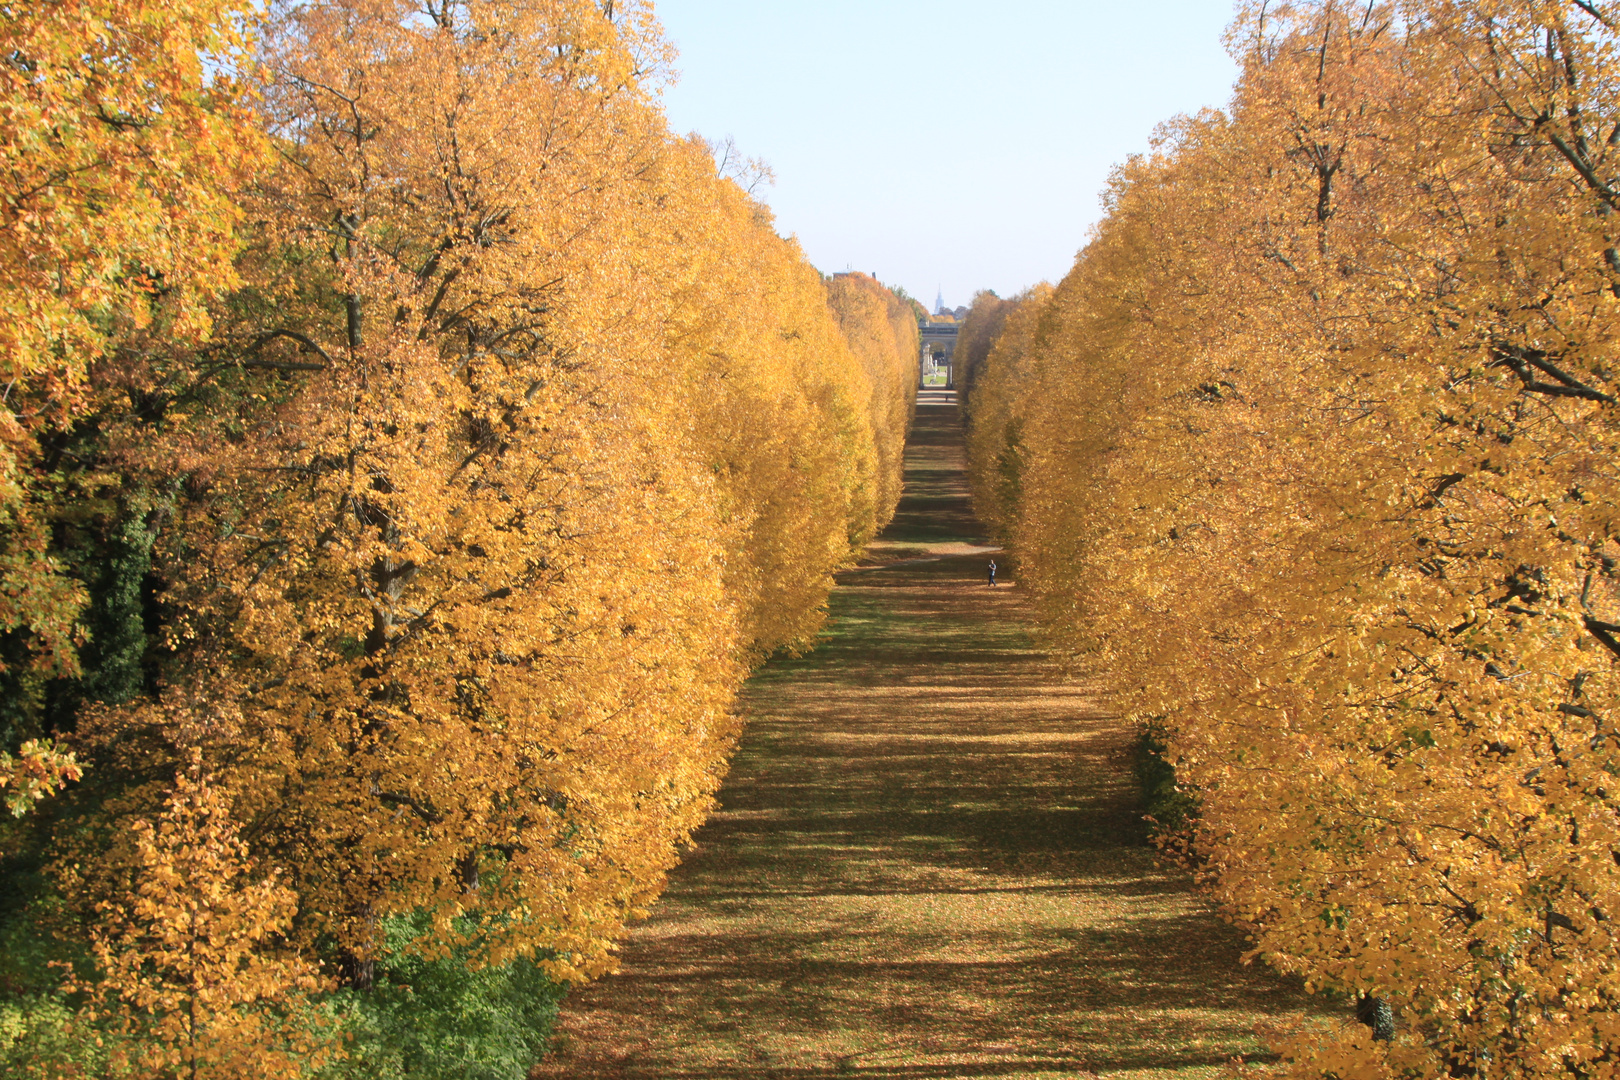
472 608
1003 380
486 435
776 403
189 958
883 335
985 318
1319 465
524 437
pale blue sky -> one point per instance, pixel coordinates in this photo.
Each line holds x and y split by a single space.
945 143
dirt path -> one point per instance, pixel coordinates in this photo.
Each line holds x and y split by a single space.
928 862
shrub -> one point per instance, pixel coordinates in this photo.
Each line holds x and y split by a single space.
444 1018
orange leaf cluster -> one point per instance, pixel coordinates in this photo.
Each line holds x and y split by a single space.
36 772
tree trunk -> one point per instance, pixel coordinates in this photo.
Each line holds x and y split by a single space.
1376 1014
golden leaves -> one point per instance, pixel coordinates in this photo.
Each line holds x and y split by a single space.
35 772
498 438
118 153
191 959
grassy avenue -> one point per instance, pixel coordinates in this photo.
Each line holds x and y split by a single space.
928 860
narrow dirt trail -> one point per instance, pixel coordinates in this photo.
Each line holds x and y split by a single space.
928 861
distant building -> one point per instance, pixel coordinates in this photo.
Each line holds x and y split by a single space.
938 336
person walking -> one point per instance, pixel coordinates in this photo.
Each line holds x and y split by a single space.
992 573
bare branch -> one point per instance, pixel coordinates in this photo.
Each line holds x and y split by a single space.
1592 11
307 344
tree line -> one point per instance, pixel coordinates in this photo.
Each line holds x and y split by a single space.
1313 457
409 445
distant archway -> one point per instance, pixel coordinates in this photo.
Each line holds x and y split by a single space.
938 346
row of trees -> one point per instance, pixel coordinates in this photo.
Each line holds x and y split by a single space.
1316 454
409 445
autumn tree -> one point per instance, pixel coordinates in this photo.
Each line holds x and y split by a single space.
883 335
985 318
473 607
436 535
995 416
524 437
1317 464
188 966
